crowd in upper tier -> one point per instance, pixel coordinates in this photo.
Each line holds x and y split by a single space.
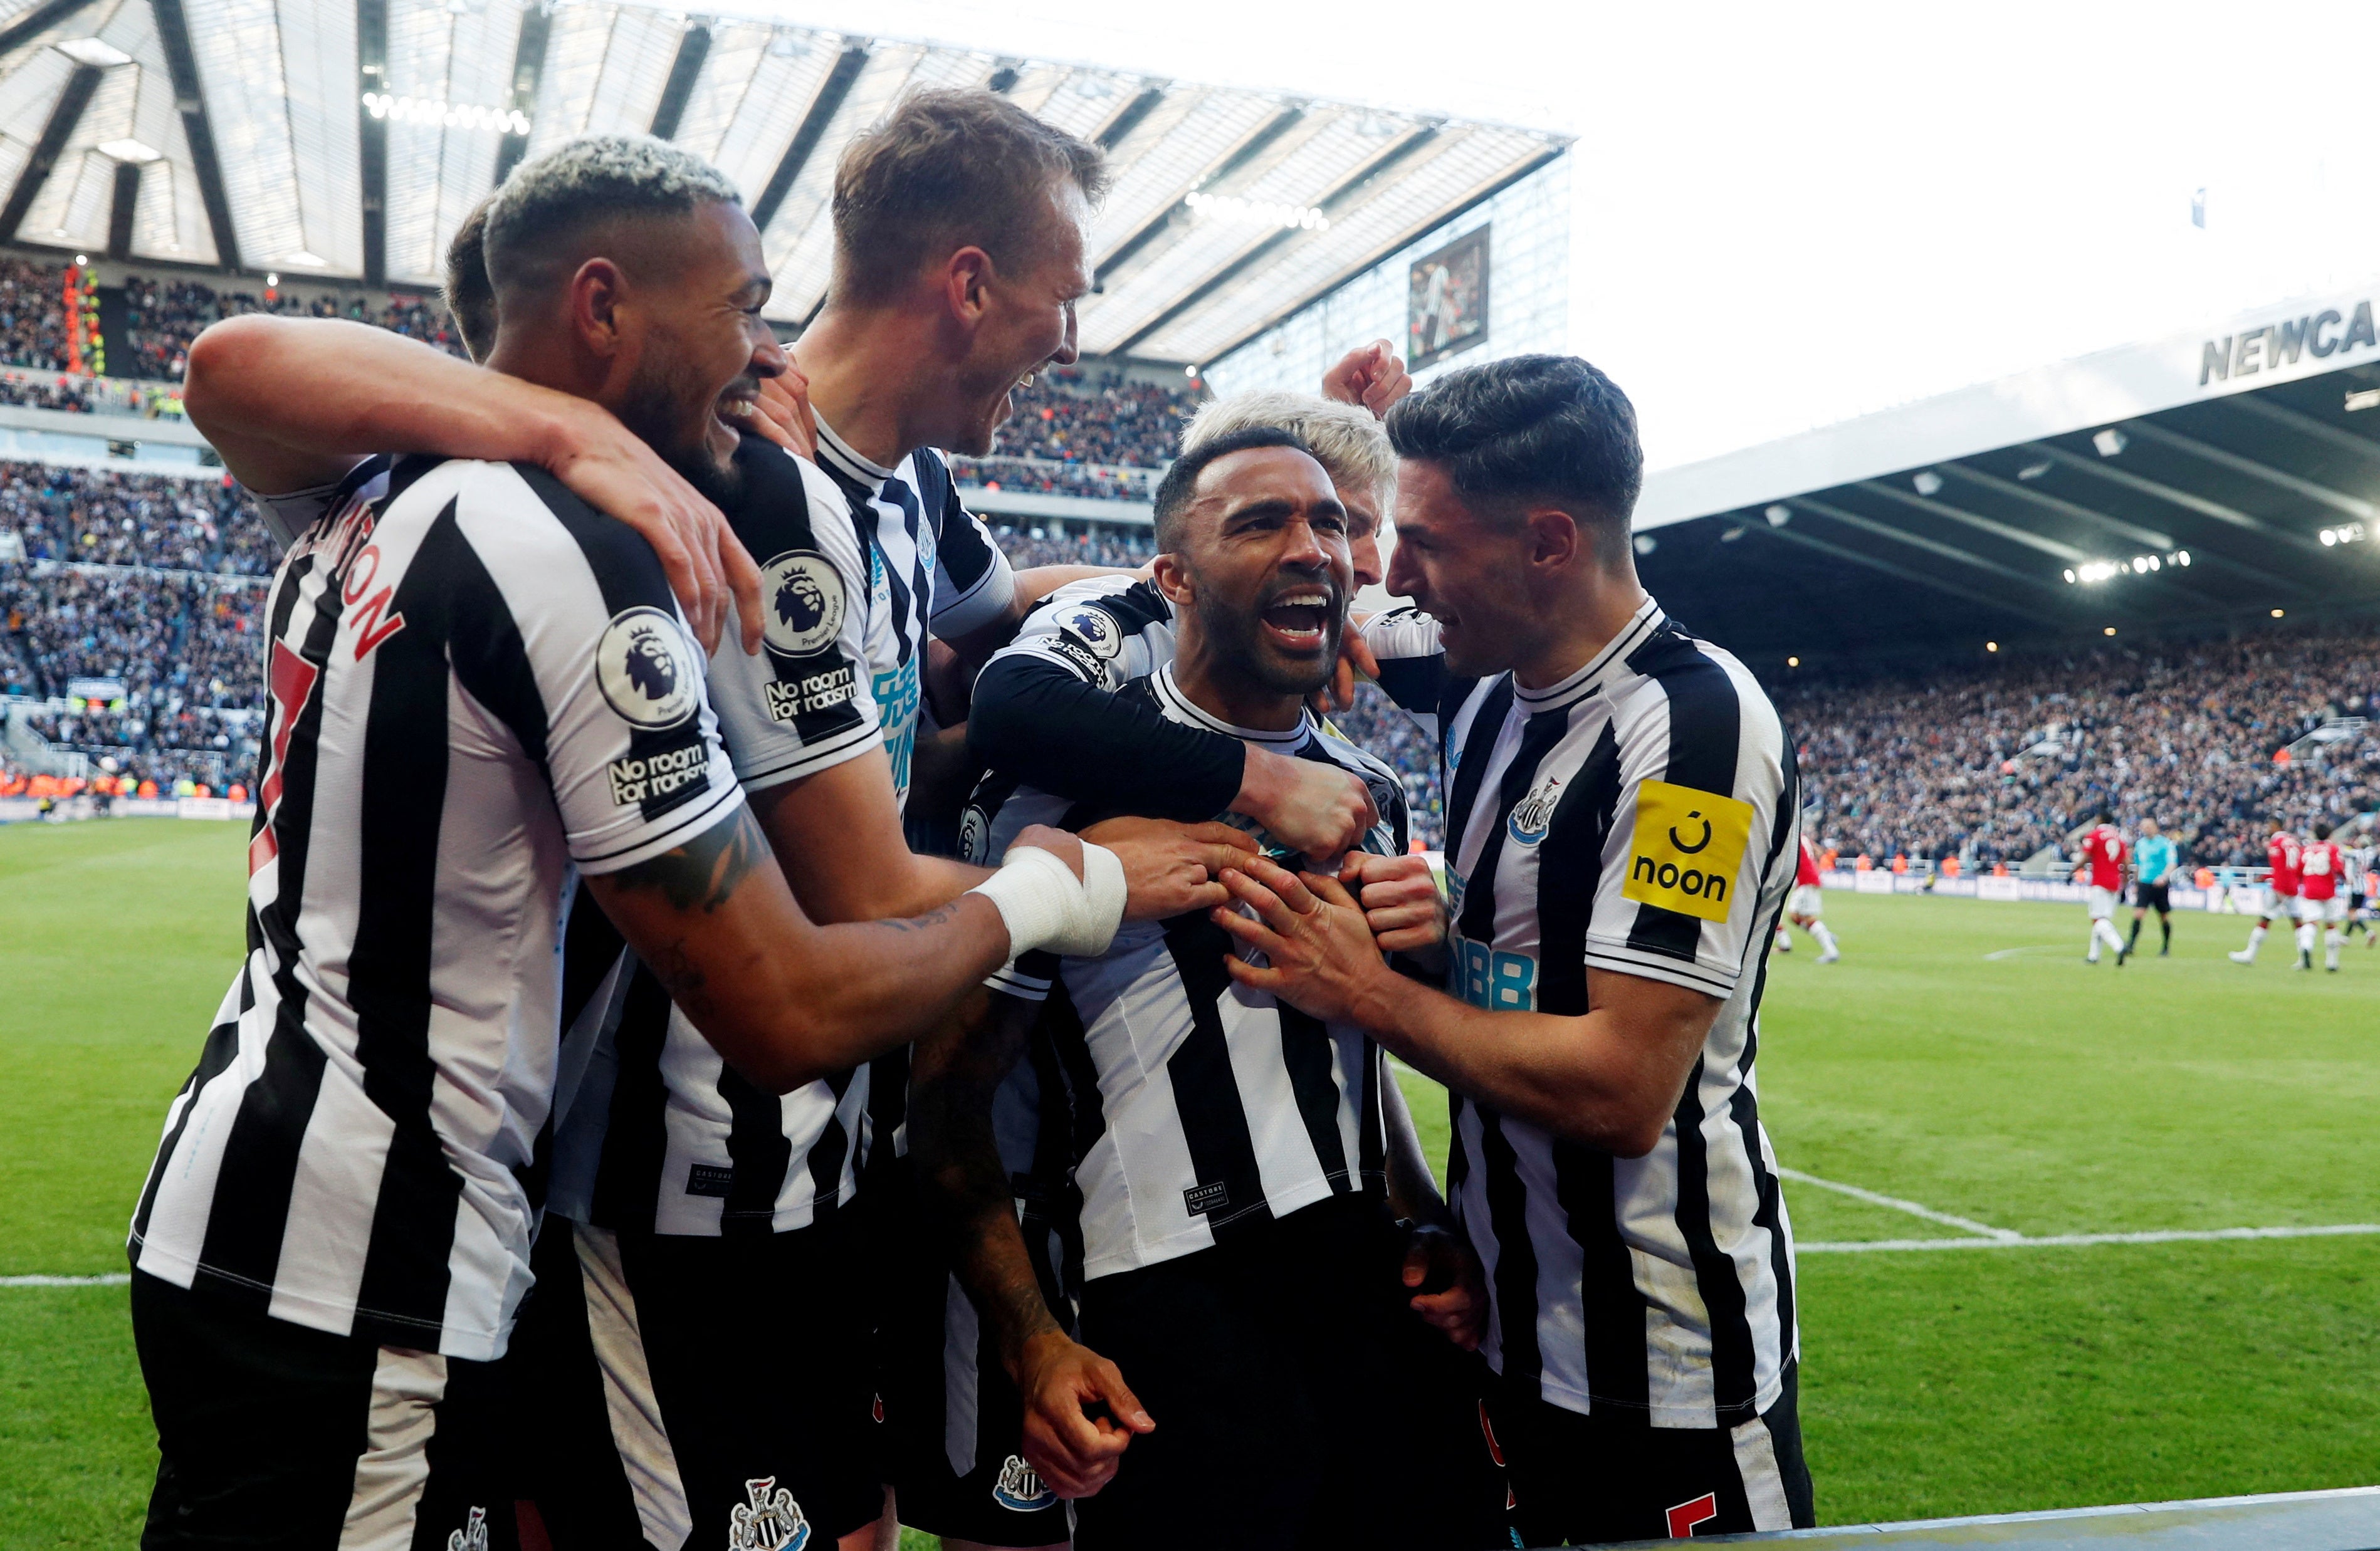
1992 761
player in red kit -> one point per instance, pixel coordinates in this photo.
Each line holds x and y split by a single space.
2280 891
2322 902
2105 851
1803 905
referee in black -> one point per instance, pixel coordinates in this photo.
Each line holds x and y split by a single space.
1619 841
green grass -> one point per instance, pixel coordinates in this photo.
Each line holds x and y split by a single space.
2027 1092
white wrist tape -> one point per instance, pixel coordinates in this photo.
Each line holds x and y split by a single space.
1045 907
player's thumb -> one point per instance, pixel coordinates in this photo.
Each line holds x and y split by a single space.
1123 1404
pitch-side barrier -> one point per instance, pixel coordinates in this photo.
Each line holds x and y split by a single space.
2347 1519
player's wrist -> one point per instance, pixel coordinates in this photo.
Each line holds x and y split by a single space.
1261 779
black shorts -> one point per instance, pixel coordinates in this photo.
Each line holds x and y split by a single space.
273 1435
2154 896
953 1420
1585 1480
682 1390
1299 1402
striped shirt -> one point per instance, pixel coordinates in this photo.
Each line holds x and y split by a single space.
1202 1108
660 1133
1638 817
477 686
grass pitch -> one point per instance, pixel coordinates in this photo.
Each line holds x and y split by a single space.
2023 1092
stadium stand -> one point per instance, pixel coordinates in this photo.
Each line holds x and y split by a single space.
1991 762
33 314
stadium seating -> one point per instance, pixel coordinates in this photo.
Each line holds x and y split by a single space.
1995 761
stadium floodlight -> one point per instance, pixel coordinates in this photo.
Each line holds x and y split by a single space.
2347 534
2110 441
2365 398
1991 646
2110 631
82 260
90 51
2070 572
2277 612
2033 470
1779 514
1257 212
1792 662
452 115
2182 557
1928 482
1645 543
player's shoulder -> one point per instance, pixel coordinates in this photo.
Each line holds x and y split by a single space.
526 527
1691 682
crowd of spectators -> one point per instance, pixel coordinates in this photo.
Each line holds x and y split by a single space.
1081 415
1105 482
69 394
163 316
33 314
1994 762
99 517
1027 548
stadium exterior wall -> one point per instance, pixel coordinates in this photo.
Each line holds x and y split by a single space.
1528 300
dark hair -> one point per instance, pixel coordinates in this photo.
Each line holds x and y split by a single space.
948 169
1174 491
1544 427
469 294
2322 829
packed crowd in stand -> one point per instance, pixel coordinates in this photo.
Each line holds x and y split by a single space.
99 516
163 316
33 315
1995 761
68 394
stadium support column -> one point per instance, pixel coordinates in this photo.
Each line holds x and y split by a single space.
693 46
63 119
120 212
182 65
37 20
823 107
371 141
528 70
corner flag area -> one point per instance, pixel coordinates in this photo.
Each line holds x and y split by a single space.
2117 1228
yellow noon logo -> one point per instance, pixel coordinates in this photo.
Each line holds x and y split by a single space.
1687 851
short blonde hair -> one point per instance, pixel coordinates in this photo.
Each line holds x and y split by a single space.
1350 445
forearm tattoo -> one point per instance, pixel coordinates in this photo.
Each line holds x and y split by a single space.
703 873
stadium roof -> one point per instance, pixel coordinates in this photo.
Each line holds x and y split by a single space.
348 138
2203 481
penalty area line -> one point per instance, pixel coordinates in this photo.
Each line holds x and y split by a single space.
1984 1231
112 1278
2075 1240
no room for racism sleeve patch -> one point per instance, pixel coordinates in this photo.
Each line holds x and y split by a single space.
1688 850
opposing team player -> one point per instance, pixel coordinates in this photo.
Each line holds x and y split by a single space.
1802 907
1228 1150
2153 862
2105 857
2280 891
1621 815
481 686
2322 898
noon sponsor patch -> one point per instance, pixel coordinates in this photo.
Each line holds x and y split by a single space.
640 779
791 697
1687 850
801 603
646 670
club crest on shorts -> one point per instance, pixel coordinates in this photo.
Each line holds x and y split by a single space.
974 835
771 1520
1020 1487
1095 627
803 608
472 1536
645 671
1533 814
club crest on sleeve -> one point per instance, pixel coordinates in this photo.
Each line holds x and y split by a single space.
1020 1487
974 835
646 670
1687 851
1095 627
770 1521
1533 814
801 603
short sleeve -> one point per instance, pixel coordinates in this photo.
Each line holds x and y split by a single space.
802 703
1104 630
583 653
1696 835
976 586
289 516
1412 662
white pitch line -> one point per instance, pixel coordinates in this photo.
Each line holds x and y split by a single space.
1995 1235
114 1279
2028 948
2070 1241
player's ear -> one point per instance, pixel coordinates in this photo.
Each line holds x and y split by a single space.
1173 579
966 285
1554 537
596 292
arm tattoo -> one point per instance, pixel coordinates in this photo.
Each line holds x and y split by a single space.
927 922
703 873
674 967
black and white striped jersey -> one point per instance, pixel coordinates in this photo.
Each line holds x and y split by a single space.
1203 1108
1639 817
1106 630
660 1134
477 686
937 572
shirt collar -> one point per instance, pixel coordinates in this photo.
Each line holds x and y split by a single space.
835 450
1639 628
1178 706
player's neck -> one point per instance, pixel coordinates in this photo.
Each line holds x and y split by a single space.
862 381
1587 618
1230 697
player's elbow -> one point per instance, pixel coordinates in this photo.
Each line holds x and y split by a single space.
224 356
